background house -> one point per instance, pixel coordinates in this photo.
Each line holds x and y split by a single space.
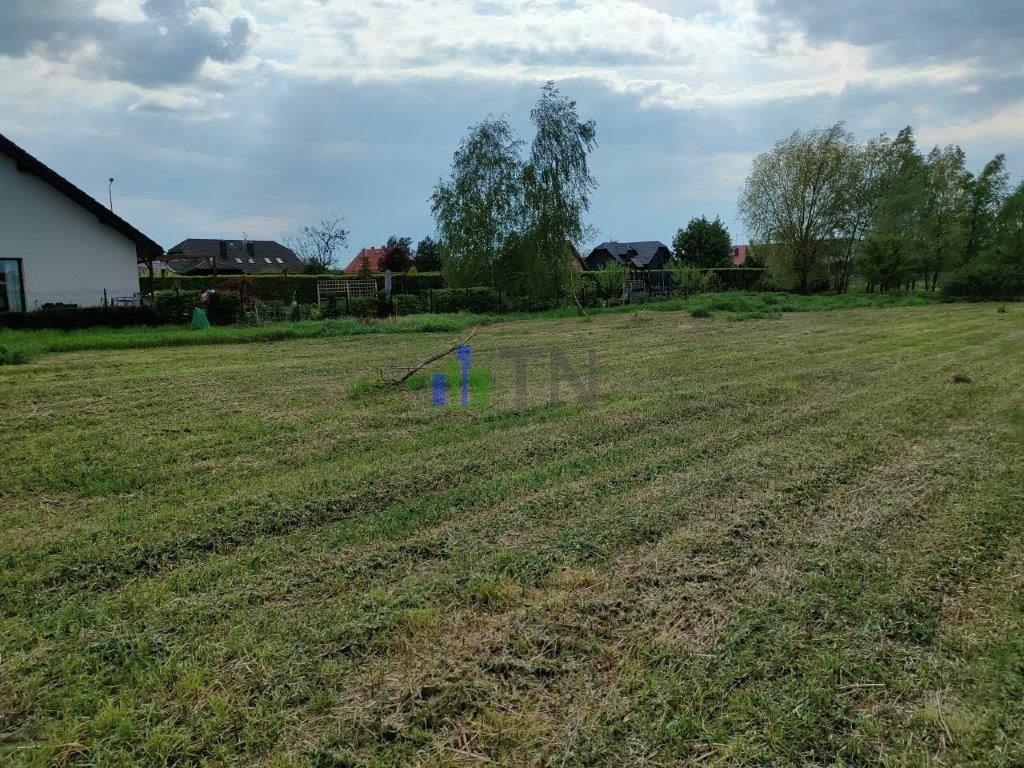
205 256
374 255
57 244
649 254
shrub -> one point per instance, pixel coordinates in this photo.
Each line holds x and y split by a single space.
687 280
175 307
362 306
987 277
447 300
482 300
223 307
403 304
700 312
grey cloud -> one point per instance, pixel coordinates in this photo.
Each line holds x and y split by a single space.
913 30
584 55
57 26
170 46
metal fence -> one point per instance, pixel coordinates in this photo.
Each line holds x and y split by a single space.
103 298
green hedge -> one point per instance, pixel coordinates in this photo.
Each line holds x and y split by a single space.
75 318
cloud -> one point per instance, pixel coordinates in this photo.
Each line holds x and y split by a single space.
912 30
219 115
160 42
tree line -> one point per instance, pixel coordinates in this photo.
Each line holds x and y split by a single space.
825 207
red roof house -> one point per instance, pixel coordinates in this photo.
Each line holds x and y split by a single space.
739 255
374 255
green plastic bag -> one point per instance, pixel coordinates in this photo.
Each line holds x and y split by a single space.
199 320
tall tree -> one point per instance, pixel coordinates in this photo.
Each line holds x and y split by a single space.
507 221
557 189
703 243
428 255
1010 225
479 207
317 245
944 219
895 193
798 196
986 193
399 254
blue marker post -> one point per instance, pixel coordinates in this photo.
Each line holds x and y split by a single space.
465 354
440 398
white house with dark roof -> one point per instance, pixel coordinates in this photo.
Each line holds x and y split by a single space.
59 246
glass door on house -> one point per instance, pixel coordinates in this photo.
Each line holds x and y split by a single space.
11 299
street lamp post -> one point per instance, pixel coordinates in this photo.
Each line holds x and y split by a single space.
110 193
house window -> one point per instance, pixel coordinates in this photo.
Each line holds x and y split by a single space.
11 299
252 261
280 260
238 259
267 259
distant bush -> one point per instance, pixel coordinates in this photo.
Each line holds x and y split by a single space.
700 312
987 277
404 304
175 307
363 306
479 300
223 307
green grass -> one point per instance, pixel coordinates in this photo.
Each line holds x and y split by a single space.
31 344
18 347
795 542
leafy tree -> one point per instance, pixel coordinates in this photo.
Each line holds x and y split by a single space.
896 183
998 272
611 278
1010 225
428 255
703 243
317 245
478 208
399 254
885 263
944 218
798 196
986 194
557 190
506 221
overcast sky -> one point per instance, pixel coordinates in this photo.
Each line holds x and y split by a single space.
223 116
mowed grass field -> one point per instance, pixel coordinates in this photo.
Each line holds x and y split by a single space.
781 542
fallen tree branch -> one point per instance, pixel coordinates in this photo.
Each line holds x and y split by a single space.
408 375
578 304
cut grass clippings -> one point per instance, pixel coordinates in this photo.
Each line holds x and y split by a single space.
795 542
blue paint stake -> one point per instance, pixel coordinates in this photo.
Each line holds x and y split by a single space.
440 397
465 354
